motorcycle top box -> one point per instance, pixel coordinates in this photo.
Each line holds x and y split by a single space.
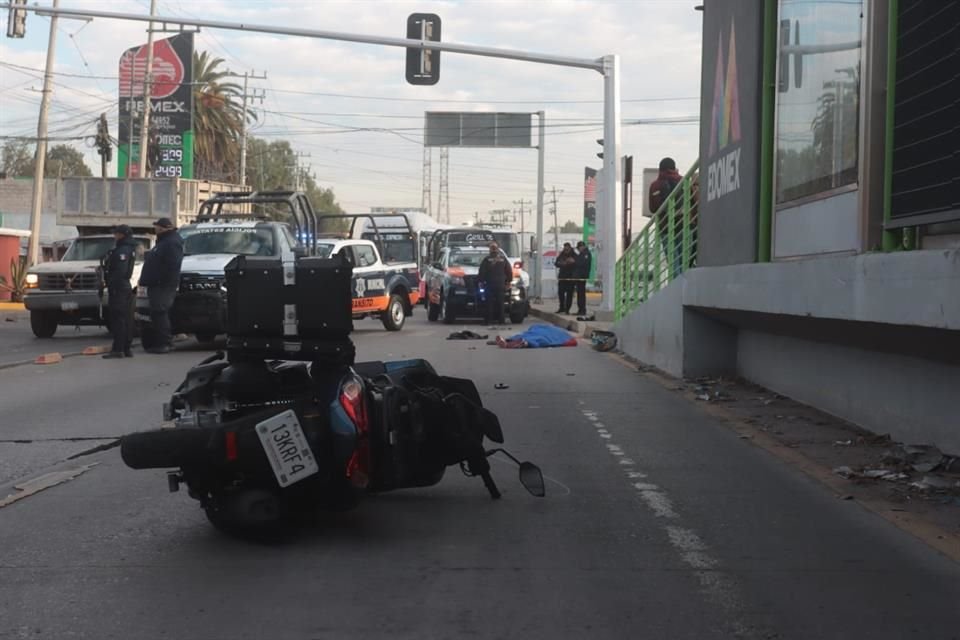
297 309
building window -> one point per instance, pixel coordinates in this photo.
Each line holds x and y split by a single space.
818 106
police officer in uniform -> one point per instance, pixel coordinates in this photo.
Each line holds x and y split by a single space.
117 271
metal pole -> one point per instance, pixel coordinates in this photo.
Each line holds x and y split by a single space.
243 133
147 90
40 159
595 64
556 221
610 240
538 258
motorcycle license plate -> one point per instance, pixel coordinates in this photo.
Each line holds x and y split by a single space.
286 448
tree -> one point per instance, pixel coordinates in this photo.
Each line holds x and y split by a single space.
272 165
568 227
218 117
62 160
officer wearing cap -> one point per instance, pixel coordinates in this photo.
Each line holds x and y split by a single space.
161 277
117 271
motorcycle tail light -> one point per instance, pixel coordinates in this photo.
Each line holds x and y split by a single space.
352 401
230 443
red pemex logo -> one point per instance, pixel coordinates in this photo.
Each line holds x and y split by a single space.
168 71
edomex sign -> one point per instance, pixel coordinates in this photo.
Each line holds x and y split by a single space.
730 132
171 107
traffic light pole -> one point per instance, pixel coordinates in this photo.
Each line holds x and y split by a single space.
610 243
609 66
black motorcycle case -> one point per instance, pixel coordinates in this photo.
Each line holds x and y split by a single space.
259 301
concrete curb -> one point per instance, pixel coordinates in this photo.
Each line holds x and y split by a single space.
570 323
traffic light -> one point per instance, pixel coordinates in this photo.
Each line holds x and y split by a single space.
600 142
423 65
17 19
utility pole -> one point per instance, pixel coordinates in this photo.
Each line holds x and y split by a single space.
104 145
256 95
40 159
147 91
523 215
556 224
299 171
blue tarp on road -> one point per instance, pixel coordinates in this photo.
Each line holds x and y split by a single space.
539 336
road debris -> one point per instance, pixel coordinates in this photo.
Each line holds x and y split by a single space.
466 335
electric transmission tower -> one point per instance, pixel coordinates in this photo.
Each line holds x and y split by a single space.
426 197
443 197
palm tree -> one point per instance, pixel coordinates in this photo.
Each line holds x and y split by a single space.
217 120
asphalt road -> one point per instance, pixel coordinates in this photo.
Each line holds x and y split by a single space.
659 523
17 342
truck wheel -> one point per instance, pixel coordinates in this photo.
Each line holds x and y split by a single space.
433 312
446 311
394 315
43 323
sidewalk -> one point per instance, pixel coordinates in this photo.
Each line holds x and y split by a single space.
546 311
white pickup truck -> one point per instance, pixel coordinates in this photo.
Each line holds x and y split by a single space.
69 291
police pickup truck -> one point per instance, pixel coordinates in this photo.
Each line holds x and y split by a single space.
388 290
454 288
200 307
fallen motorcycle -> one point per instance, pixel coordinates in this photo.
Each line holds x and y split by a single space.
285 422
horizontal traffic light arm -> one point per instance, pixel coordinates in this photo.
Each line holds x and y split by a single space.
595 64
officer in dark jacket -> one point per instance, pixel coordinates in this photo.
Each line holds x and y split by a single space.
582 272
496 275
117 271
161 277
566 264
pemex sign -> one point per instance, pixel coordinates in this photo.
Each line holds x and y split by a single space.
171 107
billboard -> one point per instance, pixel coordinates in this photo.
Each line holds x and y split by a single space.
730 132
171 108
478 129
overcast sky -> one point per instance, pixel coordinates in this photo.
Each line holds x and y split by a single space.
363 86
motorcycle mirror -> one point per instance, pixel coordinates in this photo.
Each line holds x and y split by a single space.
532 479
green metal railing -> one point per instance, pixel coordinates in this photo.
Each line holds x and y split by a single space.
665 248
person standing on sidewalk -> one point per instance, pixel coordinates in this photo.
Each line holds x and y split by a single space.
566 264
161 277
117 271
582 273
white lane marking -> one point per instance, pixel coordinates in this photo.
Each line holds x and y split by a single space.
688 545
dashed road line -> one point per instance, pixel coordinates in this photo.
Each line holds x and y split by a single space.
690 548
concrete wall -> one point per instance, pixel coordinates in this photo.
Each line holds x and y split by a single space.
912 399
16 201
873 339
915 288
654 333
